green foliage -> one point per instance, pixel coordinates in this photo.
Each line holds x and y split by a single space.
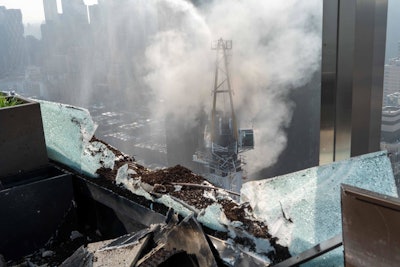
8 101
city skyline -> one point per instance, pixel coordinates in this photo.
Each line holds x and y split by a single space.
32 10
74 56
33 14
393 29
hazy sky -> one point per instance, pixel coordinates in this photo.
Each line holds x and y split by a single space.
32 10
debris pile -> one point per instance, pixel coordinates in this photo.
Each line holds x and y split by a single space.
177 187
188 193
171 244
303 208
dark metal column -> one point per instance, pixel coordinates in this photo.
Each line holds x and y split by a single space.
328 81
369 58
345 60
354 37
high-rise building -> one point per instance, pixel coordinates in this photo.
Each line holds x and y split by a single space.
392 77
390 136
390 124
11 42
398 49
50 10
75 10
393 100
390 131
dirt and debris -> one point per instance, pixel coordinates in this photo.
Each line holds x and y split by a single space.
178 182
162 183
165 181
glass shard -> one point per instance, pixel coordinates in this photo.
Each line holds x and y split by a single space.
303 209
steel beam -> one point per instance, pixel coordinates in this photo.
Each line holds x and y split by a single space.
353 51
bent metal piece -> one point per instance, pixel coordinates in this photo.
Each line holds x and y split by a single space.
371 233
117 202
149 217
172 243
313 252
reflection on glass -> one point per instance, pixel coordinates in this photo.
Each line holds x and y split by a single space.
390 130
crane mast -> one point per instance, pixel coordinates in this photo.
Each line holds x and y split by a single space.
224 141
222 86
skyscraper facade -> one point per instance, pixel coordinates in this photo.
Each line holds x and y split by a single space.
392 77
50 10
11 42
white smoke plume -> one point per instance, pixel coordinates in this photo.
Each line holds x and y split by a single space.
276 48
165 46
180 60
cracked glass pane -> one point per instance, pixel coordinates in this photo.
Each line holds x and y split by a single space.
303 208
68 130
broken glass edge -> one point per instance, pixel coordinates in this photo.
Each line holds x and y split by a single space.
303 208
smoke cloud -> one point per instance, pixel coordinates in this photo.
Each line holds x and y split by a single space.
276 49
179 60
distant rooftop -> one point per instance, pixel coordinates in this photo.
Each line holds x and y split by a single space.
394 61
390 110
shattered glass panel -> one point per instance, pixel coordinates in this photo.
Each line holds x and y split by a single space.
214 218
68 130
96 155
303 208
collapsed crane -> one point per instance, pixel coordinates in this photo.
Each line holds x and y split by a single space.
224 141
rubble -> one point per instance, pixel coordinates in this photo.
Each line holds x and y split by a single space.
176 187
302 208
187 193
173 243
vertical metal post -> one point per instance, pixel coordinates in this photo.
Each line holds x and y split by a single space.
345 60
328 81
213 112
369 60
352 77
